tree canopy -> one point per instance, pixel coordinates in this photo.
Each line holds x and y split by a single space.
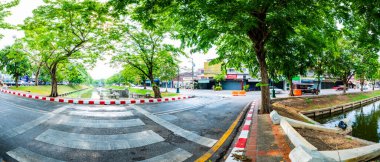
255 24
15 62
4 12
63 30
144 51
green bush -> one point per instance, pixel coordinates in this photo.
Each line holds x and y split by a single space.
246 88
218 88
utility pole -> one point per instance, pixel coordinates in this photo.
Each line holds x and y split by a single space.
178 81
192 72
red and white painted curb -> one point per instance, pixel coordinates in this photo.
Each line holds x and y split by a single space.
243 136
96 102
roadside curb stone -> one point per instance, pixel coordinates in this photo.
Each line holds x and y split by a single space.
96 102
301 154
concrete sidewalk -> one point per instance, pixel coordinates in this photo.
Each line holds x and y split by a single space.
266 142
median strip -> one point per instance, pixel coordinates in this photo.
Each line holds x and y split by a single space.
96 102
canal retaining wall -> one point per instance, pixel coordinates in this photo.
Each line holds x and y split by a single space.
65 94
317 96
340 108
306 152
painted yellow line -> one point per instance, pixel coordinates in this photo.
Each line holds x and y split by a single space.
223 139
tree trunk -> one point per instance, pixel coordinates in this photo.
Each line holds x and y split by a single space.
361 84
345 82
16 81
37 75
373 85
318 82
258 35
156 89
54 84
290 80
166 86
265 95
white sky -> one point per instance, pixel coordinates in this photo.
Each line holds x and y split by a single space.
102 69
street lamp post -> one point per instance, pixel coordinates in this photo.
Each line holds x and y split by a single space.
273 92
192 72
178 81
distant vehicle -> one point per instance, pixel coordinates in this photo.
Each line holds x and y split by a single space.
189 86
306 88
340 88
276 90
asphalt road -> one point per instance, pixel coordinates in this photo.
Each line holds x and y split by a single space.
178 131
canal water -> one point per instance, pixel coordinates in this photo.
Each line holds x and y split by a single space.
365 121
88 93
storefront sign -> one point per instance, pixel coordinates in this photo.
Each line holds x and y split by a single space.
254 80
187 78
203 81
231 76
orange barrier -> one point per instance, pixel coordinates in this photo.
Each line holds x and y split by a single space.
242 93
297 92
239 93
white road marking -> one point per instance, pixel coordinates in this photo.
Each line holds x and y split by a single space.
185 109
22 107
24 155
102 114
107 108
176 155
101 123
29 125
99 142
177 130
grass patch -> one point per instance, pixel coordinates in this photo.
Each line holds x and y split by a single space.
168 94
45 89
81 94
362 96
292 106
116 87
327 101
142 91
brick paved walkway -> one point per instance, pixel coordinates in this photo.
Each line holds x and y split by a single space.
266 142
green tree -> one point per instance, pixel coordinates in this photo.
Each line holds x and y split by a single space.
145 51
76 73
167 72
205 23
133 75
219 77
343 61
361 16
320 44
63 30
15 62
4 12
366 65
290 60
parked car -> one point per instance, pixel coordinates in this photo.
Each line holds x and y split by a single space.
340 88
276 90
365 87
306 88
